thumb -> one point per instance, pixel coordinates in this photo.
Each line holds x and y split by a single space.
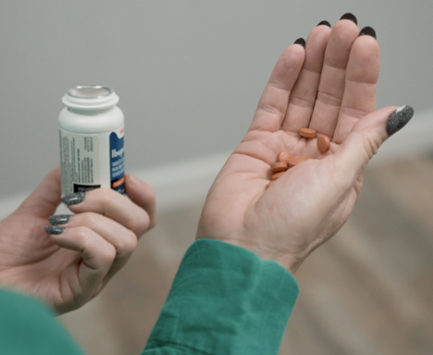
45 198
367 136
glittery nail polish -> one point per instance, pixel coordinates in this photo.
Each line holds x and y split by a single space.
369 31
324 22
349 16
56 230
398 119
74 198
59 219
300 41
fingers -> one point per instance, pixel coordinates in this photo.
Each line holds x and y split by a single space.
273 103
359 97
367 136
122 239
303 96
104 229
97 255
133 215
333 78
142 195
328 87
46 197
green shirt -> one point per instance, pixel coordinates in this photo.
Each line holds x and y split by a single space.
224 300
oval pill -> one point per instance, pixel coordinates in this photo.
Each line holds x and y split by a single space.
307 133
284 157
323 144
118 183
278 166
295 161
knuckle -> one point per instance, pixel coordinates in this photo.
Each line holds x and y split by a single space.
128 243
371 144
89 219
82 234
108 253
152 222
144 224
105 197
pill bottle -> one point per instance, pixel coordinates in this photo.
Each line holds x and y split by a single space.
91 129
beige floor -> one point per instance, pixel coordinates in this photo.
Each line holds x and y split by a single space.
368 291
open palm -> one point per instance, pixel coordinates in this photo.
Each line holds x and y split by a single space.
329 86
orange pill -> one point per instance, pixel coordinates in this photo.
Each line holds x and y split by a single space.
323 144
284 157
278 166
307 133
119 182
277 175
295 161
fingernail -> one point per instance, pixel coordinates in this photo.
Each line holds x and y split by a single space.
59 219
324 22
74 198
56 230
349 16
300 41
398 119
369 31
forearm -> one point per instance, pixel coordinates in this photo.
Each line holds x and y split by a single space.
29 327
224 300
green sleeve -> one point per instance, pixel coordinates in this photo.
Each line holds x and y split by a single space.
224 300
29 327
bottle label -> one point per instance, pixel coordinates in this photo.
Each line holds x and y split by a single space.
117 161
89 161
79 156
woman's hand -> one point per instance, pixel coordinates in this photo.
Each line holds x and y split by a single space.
329 86
70 264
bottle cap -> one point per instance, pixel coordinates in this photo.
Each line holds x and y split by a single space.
90 97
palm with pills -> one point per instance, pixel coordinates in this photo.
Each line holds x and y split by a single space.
329 86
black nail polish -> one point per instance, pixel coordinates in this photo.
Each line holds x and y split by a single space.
369 31
56 230
324 22
398 119
349 16
74 198
59 219
300 41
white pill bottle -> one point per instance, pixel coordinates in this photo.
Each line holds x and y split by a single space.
91 140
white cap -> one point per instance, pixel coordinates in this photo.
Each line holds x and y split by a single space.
90 97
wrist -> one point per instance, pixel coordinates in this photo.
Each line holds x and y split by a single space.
288 262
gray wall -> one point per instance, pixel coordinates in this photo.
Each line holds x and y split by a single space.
188 73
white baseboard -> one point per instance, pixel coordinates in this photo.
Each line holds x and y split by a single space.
181 183
188 181
174 184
